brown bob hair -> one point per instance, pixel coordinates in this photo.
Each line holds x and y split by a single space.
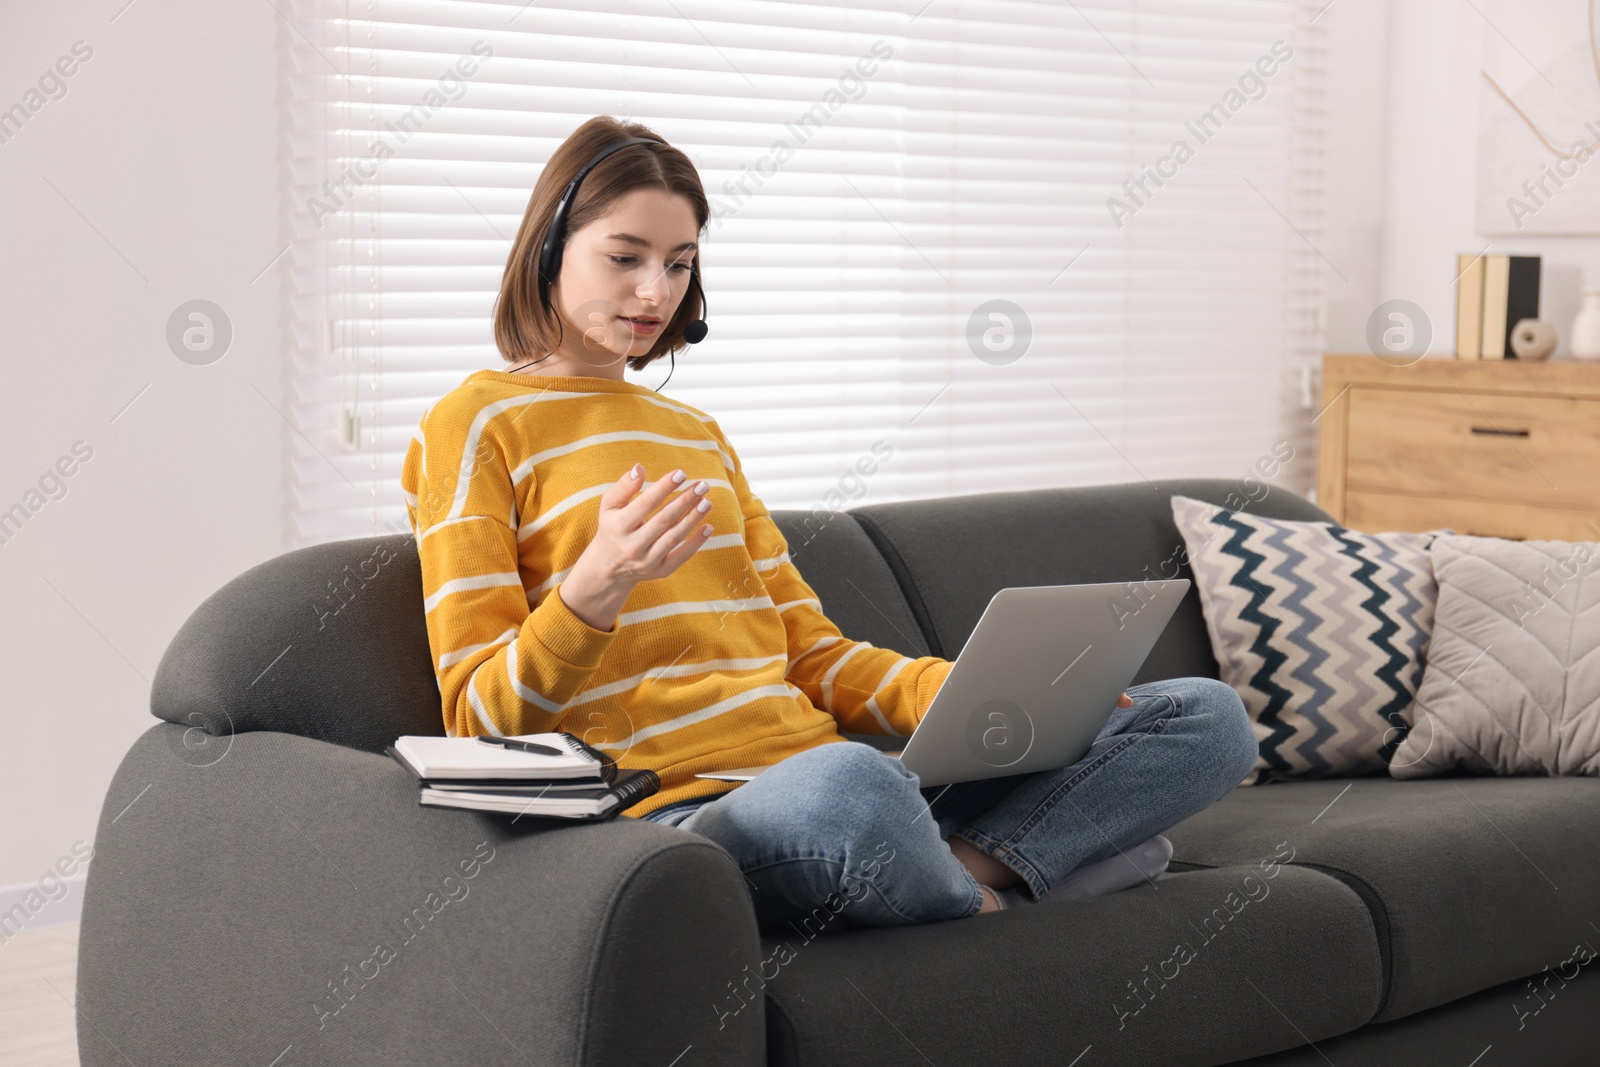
525 326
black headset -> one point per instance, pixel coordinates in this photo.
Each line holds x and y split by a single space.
555 240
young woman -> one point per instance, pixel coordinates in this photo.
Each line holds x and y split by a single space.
664 622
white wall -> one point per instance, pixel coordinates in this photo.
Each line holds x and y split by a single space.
1437 48
1357 36
151 182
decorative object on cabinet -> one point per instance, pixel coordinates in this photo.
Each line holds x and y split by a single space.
1586 327
1533 339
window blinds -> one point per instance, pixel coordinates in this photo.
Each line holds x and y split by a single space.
956 246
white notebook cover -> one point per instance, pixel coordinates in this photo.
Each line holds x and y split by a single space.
467 757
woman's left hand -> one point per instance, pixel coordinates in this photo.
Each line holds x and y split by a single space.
1124 701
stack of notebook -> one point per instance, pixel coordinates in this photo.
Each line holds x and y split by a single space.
558 775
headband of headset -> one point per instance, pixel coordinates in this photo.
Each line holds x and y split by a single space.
555 237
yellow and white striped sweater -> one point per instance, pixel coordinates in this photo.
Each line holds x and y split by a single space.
726 662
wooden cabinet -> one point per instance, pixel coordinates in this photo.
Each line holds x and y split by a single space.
1498 448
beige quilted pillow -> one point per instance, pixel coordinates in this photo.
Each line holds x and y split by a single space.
1512 681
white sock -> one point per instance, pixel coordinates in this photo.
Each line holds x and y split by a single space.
1135 866
1126 869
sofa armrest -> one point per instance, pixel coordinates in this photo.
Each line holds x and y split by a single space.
265 894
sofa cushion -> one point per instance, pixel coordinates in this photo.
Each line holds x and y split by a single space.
1320 629
1512 684
952 554
857 590
1044 982
1542 1020
1471 881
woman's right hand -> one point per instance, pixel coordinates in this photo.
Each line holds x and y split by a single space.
635 542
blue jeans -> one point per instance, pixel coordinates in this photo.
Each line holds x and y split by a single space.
843 830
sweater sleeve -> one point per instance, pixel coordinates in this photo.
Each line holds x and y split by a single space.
869 690
501 669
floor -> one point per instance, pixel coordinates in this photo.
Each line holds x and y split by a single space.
38 983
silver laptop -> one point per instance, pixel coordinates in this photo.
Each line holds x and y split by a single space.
1036 681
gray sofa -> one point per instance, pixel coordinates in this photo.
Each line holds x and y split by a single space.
265 888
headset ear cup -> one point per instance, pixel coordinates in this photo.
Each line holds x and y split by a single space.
555 237
556 255
550 258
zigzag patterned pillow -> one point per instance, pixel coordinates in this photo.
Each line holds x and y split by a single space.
1322 630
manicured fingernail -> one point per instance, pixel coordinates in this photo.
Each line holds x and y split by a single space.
701 488
704 505
638 469
677 477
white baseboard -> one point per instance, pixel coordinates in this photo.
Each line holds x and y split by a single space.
27 907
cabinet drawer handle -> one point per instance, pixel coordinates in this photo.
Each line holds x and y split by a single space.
1500 433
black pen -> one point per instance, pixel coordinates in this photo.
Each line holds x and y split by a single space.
524 746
